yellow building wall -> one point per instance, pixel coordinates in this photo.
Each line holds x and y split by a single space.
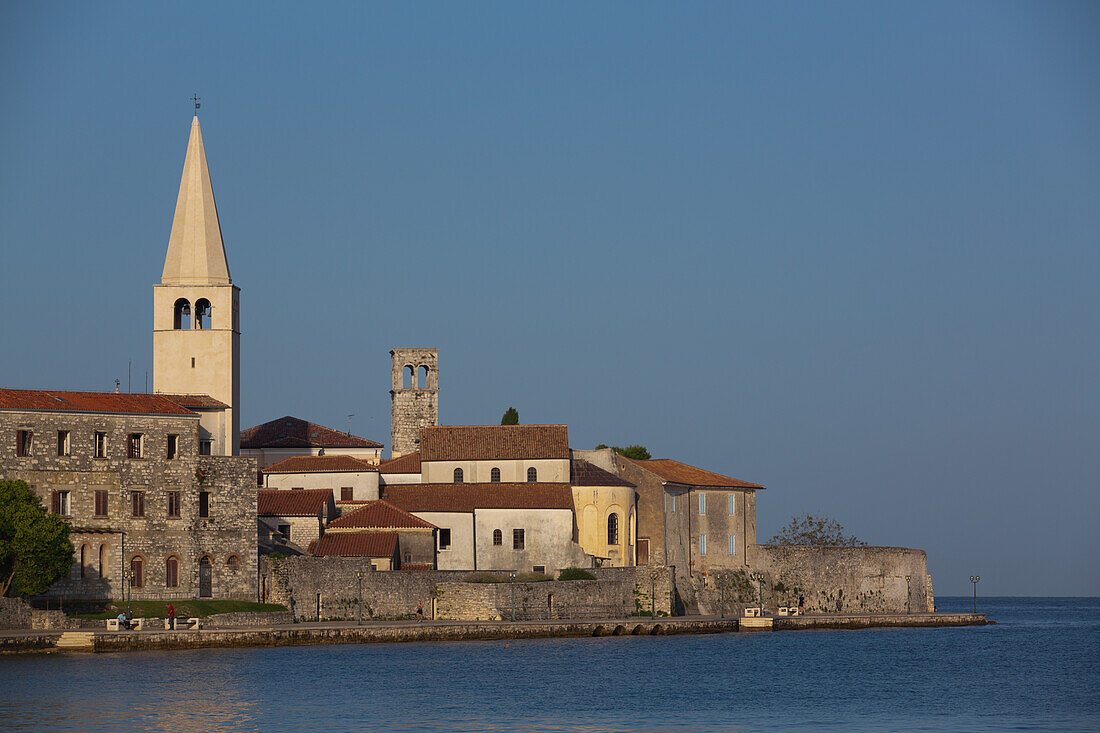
592 505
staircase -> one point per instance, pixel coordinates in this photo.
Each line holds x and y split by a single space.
77 641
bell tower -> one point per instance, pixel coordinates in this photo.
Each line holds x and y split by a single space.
414 398
196 318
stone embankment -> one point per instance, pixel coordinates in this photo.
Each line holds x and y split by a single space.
322 633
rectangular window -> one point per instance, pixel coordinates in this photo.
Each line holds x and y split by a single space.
702 503
517 539
702 544
173 503
23 442
64 448
134 445
59 502
444 539
204 504
205 447
173 447
733 545
101 503
346 493
539 569
100 448
733 503
137 503
672 503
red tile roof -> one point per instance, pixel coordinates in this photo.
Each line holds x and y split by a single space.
292 432
292 502
408 463
583 473
417 566
196 401
681 473
355 544
379 515
493 442
320 464
53 400
467 497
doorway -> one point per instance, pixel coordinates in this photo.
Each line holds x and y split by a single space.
206 578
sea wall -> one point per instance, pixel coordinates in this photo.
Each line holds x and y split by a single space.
15 613
865 579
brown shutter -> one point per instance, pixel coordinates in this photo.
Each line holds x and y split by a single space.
55 502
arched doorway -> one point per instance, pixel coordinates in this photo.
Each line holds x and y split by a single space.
206 577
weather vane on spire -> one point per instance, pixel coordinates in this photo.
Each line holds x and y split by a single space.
195 99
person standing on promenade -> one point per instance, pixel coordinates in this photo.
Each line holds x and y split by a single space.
801 604
171 617
419 612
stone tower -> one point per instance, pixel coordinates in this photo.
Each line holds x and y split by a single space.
414 397
196 320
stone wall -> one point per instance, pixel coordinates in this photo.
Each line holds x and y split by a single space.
554 599
247 618
15 613
415 406
865 579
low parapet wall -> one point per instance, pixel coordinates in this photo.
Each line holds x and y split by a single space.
865 579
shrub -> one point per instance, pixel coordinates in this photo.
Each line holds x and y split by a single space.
483 578
533 577
575 574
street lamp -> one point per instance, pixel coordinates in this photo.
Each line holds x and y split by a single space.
653 594
974 580
513 584
908 595
759 578
128 587
359 576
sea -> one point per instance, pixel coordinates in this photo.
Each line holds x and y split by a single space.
1037 669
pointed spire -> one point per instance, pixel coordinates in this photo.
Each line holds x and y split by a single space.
196 254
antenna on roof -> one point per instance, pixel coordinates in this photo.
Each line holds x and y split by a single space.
350 416
195 98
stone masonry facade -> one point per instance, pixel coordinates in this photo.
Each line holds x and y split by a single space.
191 514
417 405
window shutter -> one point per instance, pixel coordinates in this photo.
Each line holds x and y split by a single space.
55 502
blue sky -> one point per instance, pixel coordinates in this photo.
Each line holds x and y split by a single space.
847 250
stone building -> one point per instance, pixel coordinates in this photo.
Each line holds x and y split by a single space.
151 517
350 480
288 437
290 520
606 523
414 397
391 537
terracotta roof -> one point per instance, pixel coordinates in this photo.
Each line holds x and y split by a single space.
379 515
681 473
292 502
493 442
53 400
467 497
408 463
417 566
355 544
196 401
583 473
320 464
292 432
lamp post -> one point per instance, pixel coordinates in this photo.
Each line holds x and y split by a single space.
974 580
128 585
513 584
359 576
653 594
908 595
759 578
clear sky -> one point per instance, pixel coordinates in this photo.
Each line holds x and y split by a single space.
847 251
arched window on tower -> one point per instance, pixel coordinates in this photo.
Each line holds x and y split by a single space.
202 313
104 560
407 377
182 317
532 475
494 475
612 528
422 377
458 475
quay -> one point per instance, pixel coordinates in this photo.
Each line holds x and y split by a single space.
312 633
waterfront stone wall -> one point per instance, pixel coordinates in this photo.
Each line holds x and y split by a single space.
865 579
15 613
554 599
247 619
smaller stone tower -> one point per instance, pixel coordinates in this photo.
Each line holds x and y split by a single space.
414 398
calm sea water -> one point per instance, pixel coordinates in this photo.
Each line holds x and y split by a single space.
1039 669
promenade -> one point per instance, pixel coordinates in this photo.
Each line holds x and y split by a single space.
348 632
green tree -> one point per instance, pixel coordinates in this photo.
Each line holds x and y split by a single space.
511 417
637 452
35 550
806 529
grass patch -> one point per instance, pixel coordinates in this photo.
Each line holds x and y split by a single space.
533 577
484 578
575 574
159 609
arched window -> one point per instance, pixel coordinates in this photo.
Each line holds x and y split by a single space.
494 475
498 538
233 561
83 560
422 377
104 561
458 475
137 577
172 572
612 528
182 318
202 313
532 475
408 376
